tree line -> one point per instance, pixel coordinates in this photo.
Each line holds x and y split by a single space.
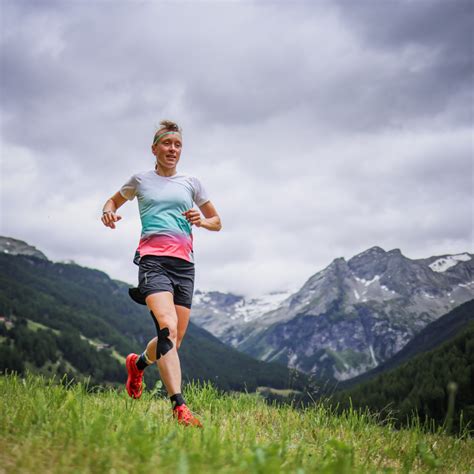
436 386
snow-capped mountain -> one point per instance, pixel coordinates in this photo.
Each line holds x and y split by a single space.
223 314
350 316
19 247
443 263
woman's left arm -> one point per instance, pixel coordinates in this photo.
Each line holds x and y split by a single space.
211 220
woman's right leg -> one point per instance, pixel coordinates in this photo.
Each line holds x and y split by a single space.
162 306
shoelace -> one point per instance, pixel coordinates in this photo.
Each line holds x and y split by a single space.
186 414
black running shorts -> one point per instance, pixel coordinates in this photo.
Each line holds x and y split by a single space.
158 273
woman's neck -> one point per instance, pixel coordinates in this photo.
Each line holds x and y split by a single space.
164 171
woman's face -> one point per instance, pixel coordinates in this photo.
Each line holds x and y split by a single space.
168 150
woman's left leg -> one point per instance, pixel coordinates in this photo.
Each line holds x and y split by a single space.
183 321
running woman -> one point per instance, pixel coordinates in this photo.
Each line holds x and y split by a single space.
165 259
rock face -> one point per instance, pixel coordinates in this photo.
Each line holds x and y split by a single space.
354 314
18 247
224 314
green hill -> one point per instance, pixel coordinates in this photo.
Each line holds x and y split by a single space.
437 332
437 385
62 318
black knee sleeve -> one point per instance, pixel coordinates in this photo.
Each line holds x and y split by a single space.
164 344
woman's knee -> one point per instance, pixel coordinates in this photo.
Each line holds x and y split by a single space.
172 326
164 313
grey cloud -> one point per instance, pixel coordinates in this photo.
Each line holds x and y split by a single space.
440 30
319 132
239 79
446 25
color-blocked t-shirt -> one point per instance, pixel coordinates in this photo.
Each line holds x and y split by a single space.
161 201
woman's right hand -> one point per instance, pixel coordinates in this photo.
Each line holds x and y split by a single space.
109 218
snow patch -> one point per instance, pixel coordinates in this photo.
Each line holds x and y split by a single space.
442 264
466 285
245 309
367 282
356 295
292 360
372 354
250 309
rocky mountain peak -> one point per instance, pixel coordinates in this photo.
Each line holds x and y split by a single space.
349 316
395 253
216 298
19 247
336 266
376 261
372 251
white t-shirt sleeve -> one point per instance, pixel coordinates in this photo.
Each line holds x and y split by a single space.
130 188
199 193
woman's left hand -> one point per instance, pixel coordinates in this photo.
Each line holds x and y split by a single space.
193 216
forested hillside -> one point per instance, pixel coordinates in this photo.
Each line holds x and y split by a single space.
62 318
427 384
437 332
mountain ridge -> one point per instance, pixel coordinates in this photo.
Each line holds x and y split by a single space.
429 338
356 313
352 315
435 385
58 316
13 246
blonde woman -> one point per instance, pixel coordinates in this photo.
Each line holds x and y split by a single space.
165 258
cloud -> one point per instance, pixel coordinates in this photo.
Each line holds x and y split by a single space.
318 129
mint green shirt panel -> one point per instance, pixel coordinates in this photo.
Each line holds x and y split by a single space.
161 202
162 199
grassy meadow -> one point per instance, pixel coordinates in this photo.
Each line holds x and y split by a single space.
46 426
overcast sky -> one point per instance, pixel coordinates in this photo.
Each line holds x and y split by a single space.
318 128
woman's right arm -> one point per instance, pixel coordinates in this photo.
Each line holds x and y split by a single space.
109 218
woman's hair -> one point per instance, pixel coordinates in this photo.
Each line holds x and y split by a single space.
170 126
166 126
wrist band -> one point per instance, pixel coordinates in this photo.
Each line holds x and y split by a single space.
107 212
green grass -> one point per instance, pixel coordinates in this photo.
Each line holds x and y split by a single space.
47 427
35 326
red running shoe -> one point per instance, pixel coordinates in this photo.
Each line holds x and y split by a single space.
185 417
135 377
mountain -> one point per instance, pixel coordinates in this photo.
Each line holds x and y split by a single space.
18 247
437 385
352 315
57 317
436 333
225 314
